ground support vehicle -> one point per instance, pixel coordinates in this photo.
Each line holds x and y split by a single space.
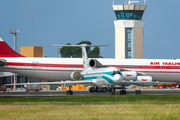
35 88
168 86
2 88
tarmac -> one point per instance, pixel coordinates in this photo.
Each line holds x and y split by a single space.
59 93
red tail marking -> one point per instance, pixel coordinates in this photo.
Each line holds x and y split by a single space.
6 51
128 75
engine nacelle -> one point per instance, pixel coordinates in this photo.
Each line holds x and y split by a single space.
129 75
91 63
144 78
75 75
2 62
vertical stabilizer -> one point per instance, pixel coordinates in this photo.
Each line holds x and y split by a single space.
84 55
6 51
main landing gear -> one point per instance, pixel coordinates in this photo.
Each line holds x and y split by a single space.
69 92
111 89
99 89
103 89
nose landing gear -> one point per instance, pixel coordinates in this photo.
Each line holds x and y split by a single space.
113 89
122 92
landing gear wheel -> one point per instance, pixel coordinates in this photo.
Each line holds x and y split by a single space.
98 89
69 92
109 89
137 92
112 92
92 89
122 92
104 89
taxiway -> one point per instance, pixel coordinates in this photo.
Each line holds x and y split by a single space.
86 93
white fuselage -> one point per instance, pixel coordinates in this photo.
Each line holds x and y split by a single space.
56 69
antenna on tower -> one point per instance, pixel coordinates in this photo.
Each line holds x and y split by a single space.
130 2
113 2
144 2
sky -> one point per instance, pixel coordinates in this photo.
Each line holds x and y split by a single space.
58 22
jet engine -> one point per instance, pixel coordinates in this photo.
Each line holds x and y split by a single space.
75 75
129 75
2 62
144 78
91 63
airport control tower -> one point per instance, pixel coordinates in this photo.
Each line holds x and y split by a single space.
129 29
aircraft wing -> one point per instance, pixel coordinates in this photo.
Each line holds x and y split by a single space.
144 82
4 74
87 82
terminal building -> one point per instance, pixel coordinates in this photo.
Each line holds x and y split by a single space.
129 31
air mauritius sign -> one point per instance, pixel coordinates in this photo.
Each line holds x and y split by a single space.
165 63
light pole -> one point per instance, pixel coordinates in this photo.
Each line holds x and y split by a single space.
15 32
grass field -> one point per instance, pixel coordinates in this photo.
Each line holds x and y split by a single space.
127 107
97 99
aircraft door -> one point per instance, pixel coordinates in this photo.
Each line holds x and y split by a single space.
163 68
28 64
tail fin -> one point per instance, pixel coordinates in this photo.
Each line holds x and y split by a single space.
6 51
84 52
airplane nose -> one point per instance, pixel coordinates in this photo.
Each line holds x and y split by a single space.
117 78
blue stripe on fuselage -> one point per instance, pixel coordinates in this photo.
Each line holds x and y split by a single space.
103 76
108 79
89 78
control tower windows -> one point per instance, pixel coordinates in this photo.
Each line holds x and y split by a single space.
129 14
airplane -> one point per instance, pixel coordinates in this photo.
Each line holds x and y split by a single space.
103 77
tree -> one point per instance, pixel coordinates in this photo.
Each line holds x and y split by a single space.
76 52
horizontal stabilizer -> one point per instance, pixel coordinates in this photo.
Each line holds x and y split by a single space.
77 45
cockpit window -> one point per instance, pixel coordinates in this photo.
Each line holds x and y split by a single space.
115 72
